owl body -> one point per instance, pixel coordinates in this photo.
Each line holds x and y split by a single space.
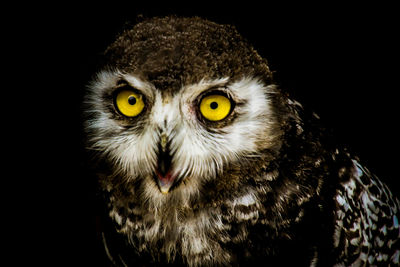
203 161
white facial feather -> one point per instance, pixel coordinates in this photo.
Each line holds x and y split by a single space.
198 154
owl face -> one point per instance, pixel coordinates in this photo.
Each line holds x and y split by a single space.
170 139
170 129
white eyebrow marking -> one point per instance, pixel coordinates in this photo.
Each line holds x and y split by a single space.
146 87
193 90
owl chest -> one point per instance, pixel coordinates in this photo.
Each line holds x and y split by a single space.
207 234
193 236
201 235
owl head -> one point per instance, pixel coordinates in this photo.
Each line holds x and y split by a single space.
181 103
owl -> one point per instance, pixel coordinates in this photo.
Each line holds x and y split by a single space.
201 159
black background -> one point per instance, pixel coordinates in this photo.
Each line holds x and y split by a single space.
337 59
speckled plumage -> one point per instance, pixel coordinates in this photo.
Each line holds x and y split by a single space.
265 185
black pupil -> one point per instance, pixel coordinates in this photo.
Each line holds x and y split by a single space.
132 100
213 105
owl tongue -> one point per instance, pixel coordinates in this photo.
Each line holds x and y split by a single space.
165 181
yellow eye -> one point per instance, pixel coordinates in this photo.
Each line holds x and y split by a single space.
215 107
129 103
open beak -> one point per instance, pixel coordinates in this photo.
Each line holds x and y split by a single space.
164 178
165 182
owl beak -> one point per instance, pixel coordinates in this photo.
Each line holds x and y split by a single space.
165 178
